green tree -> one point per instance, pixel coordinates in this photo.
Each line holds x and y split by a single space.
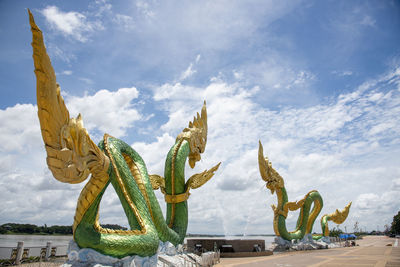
335 232
2 230
396 224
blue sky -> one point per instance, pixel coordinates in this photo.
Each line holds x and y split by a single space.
318 82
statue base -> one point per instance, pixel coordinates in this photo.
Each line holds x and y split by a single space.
167 255
307 243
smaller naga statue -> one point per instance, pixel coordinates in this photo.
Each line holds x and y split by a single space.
307 215
72 157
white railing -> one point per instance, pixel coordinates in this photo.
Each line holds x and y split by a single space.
20 252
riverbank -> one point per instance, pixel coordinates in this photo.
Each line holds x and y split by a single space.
378 251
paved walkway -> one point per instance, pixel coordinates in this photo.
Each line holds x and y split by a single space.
374 251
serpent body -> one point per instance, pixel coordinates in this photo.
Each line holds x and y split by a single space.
129 177
72 156
306 217
310 206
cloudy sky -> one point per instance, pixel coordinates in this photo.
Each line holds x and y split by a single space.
318 82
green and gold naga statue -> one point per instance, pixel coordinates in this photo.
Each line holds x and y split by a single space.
72 157
307 215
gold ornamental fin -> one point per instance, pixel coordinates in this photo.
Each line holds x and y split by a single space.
338 216
198 179
157 181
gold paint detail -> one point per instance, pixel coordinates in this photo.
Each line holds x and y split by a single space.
268 174
71 154
173 199
199 179
125 193
292 206
88 194
195 181
326 231
196 135
102 230
157 181
338 216
139 180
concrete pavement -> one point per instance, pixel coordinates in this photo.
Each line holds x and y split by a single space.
374 251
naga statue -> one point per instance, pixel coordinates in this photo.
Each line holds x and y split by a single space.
307 215
72 156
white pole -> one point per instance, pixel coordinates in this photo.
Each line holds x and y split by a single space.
20 250
48 251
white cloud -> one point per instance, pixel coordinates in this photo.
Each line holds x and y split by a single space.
282 82
189 71
342 73
396 184
331 147
145 9
101 7
20 129
155 153
73 24
126 22
86 80
106 111
56 52
29 194
25 181
67 72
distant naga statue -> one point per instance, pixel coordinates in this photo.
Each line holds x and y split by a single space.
72 156
306 217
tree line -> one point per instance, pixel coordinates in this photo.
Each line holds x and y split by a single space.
18 228
395 227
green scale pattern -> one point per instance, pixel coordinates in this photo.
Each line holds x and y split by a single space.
118 245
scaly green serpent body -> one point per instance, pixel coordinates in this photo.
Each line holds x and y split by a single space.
72 156
151 226
306 218
310 206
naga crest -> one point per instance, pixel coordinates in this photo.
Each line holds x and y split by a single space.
339 216
196 135
268 174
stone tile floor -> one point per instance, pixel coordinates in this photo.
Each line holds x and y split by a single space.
376 251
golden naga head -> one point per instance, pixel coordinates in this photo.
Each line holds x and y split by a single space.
196 135
268 174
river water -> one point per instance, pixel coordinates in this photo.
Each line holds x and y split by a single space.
34 240
41 240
